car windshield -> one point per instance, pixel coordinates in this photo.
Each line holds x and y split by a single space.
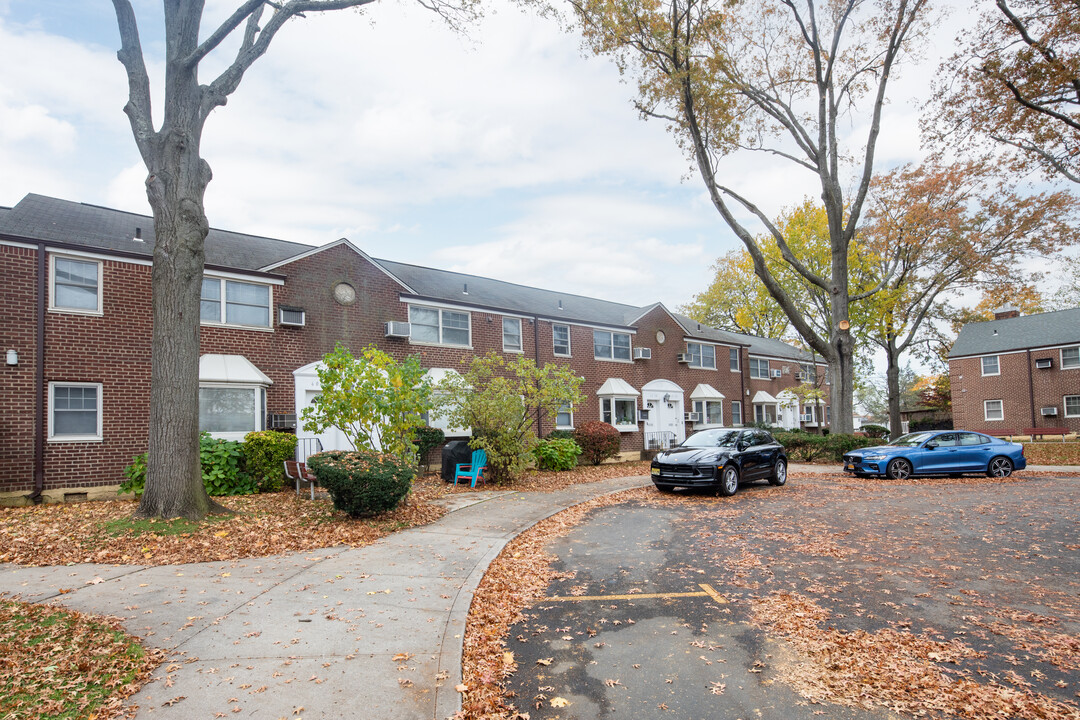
911 439
712 438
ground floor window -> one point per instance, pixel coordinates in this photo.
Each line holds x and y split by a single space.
620 412
1072 406
228 410
74 412
992 410
564 419
711 411
764 413
736 413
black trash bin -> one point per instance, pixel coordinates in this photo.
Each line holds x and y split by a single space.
454 453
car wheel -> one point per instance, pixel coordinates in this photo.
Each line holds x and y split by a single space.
729 480
779 473
899 469
1000 467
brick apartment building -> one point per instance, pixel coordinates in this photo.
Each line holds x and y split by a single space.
76 337
1015 373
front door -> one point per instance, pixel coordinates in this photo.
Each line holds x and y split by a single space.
664 427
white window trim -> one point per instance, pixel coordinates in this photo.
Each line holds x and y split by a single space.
260 417
521 336
222 279
986 414
702 346
613 333
53 307
767 368
565 427
612 399
982 365
742 418
439 309
738 360
97 437
1061 354
705 424
1065 405
569 347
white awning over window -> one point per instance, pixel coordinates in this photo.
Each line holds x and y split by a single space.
706 392
617 386
231 369
761 397
437 374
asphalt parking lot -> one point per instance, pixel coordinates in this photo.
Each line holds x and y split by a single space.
824 598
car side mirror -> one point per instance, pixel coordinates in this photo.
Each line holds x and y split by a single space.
742 445
931 445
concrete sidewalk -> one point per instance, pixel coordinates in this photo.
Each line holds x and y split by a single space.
371 632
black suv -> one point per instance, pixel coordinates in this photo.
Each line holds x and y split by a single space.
720 459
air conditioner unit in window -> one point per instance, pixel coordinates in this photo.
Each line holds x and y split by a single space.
682 357
1049 411
1044 363
692 417
642 415
641 353
294 317
281 421
775 373
397 329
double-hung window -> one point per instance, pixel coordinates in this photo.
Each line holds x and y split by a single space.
759 368
701 356
620 412
1070 358
232 302
560 340
1072 406
439 327
990 365
611 345
76 285
564 419
512 334
74 412
711 411
993 410
733 359
736 413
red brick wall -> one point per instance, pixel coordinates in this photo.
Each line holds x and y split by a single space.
1018 382
18 267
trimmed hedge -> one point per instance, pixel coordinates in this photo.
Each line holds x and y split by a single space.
361 482
265 452
598 441
222 469
807 448
557 454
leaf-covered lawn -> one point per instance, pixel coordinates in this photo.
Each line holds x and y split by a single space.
57 663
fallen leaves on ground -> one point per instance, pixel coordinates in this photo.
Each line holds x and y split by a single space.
60 663
536 481
266 524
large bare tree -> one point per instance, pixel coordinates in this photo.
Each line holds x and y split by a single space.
799 81
175 185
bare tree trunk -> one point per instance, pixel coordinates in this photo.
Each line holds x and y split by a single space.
892 379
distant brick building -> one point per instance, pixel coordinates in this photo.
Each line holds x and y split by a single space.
76 334
1016 373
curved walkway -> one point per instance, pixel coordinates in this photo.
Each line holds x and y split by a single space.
340 632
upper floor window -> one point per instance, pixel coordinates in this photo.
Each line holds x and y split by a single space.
701 356
441 327
733 359
611 345
759 368
76 285
512 334
233 302
560 339
990 365
808 372
74 412
1070 358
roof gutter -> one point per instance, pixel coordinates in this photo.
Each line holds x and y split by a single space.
39 382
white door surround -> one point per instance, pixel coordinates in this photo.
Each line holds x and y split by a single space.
664 401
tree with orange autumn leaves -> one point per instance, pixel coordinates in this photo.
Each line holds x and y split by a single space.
938 230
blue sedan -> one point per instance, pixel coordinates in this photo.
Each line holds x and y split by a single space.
952 452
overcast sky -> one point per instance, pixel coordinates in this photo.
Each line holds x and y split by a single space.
507 153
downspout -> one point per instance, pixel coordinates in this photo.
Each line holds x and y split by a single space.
1031 391
536 359
39 382
742 387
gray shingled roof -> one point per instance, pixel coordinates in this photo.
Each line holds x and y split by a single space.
450 286
44 218
1018 333
758 345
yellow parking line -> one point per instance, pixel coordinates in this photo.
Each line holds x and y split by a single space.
708 591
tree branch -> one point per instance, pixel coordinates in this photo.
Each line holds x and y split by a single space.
130 56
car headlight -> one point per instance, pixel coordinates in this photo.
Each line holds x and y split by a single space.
874 458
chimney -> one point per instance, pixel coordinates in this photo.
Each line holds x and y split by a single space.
1006 311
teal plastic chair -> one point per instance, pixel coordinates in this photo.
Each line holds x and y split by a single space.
472 471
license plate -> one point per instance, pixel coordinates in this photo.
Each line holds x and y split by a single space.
849 466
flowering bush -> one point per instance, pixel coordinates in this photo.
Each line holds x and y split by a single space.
363 482
598 441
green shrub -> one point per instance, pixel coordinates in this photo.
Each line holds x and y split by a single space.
836 445
222 469
427 439
557 454
875 431
560 435
598 441
807 448
265 453
363 482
